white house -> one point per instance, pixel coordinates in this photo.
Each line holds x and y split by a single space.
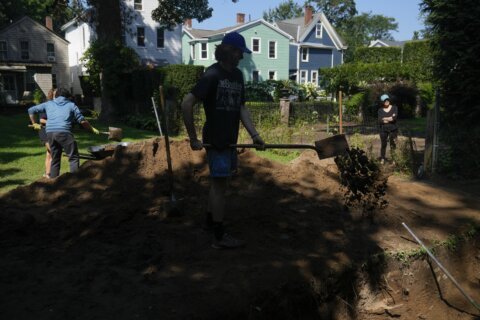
154 44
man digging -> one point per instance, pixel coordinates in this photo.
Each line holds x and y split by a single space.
222 91
61 113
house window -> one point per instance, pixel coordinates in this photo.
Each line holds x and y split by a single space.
255 75
272 75
319 30
192 52
24 50
54 80
141 36
8 81
272 49
3 50
305 54
204 51
160 38
303 76
314 77
50 52
30 81
137 5
256 45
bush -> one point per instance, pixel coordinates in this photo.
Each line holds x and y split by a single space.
354 76
417 57
375 54
38 96
355 103
264 91
144 122
179 79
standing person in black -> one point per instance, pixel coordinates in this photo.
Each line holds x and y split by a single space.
222 91
387 119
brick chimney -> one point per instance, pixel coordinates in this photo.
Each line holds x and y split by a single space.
188 23
240 18
49 22
308 14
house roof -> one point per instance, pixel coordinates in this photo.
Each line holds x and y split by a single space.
200 34
84 17
27 18
386 43
297 28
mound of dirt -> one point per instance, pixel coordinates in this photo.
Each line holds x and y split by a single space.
98 244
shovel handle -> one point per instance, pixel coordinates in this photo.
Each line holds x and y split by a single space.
269 146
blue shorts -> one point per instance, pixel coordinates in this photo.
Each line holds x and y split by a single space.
222 163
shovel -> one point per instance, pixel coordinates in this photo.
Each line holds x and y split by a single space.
325 148
174 206
115 134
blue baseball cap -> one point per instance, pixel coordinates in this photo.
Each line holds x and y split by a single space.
384 97
236 40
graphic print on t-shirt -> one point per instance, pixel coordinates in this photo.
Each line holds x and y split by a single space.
229 95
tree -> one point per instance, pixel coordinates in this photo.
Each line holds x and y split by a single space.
285 10
363 28
108 25
338 12
453 32
60 10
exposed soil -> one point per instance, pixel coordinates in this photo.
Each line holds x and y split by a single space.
99 244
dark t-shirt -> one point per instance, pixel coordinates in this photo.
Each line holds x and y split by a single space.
222 94
391 126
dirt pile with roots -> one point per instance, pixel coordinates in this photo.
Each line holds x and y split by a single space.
99 244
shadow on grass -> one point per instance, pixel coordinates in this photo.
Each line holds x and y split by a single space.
11 182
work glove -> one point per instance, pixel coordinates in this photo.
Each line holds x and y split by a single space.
36 126
95 131
196 144
256 139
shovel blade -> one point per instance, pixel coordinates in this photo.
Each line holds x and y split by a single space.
115 134
331 146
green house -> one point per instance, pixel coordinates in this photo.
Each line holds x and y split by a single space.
270 49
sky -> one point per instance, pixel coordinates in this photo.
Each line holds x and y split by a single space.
405 12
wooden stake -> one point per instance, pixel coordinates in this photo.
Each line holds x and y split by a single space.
340 110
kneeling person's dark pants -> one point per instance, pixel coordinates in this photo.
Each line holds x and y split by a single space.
63 141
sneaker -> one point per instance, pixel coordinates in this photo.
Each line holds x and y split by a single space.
227 242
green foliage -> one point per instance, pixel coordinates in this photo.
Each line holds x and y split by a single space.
377 54
417 57
112 60
455 41
263 91
311 91
285 10
172 12
143 122
351 77
338 12
363 28
38 96
355 103
61 11
427 94
180 79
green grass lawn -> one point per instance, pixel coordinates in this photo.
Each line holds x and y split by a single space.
22 156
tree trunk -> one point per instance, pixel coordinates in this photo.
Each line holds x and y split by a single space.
109 29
